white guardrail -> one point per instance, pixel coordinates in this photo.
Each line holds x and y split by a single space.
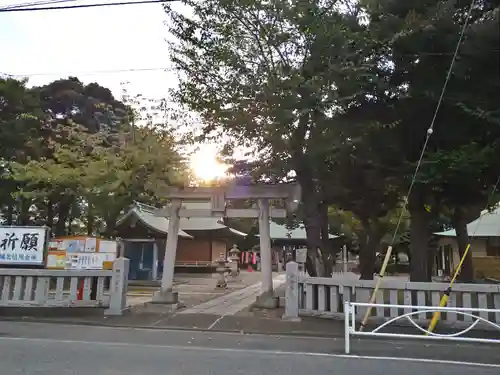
351 311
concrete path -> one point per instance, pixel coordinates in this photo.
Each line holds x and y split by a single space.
193 289
231 303
137 300
35 349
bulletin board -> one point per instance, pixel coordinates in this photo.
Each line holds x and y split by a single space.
81 252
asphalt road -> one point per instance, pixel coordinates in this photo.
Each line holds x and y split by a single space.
55 349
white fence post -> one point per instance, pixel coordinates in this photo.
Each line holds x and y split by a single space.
347 327
118 287
42 289
292 292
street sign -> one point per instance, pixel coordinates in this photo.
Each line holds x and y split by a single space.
22 245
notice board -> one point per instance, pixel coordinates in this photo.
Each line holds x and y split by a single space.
81 252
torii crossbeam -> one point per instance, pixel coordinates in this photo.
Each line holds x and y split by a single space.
289 194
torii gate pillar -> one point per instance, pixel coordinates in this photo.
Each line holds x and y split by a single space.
267 299
289 194
166 293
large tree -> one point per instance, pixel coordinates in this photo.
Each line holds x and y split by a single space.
21 119
418 40
72 158
356 176
271 75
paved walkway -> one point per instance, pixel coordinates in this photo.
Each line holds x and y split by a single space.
233 302
193 290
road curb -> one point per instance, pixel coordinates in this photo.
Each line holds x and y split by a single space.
308 334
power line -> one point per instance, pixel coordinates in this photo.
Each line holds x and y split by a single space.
169 69
431 127
132 70
419 163
34 9
35 3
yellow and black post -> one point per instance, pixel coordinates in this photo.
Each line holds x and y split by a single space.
377 286
447 292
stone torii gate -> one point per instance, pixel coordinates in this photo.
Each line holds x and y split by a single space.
287 193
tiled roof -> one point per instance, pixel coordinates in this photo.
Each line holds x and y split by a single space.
487 225
280 232
147 215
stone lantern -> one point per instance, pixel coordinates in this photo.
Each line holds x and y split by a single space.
221 270
234 255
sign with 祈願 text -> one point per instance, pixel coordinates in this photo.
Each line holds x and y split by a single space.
22 245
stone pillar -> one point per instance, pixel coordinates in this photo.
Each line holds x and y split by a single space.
118 287
292 292
155 262
120 244
344 258
267 299
165 294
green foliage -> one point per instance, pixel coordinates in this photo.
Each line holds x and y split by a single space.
460 166
70 152
335 95
342 93
253 69
271 76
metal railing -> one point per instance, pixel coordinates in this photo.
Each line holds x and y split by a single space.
351 313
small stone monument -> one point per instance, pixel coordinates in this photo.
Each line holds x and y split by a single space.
234 255
301 258
221 269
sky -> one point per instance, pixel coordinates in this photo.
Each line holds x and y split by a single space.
94 44
86 41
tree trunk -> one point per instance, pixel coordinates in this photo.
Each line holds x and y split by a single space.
70 223
367 261
24 212
432 251
431 258
50 214
62 215
460 224
419 238
90 219
110 225
326 250
312 218
9 216
313 234
367 253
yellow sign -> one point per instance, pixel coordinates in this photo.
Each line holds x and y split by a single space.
56 260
